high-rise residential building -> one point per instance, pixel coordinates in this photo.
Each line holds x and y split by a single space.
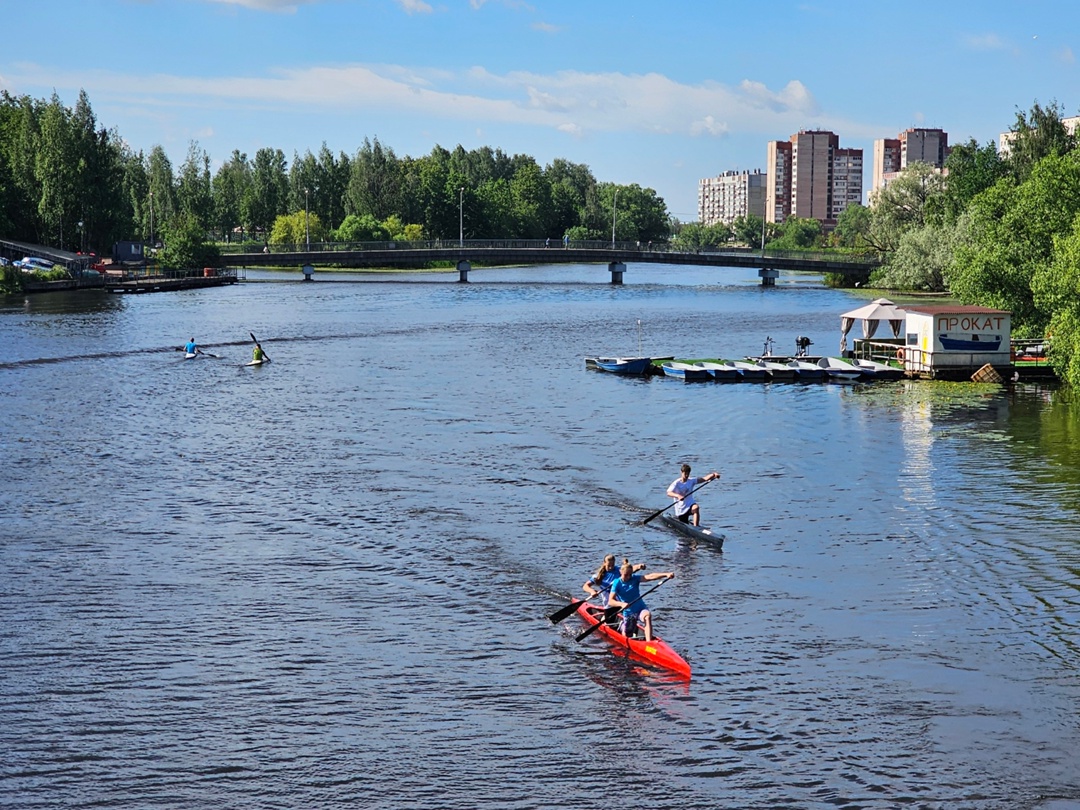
731 195
893 155
778 181
811 177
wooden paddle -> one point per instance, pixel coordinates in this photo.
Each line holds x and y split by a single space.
661 511
265 355
611 612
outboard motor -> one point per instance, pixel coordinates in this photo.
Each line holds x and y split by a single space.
802 344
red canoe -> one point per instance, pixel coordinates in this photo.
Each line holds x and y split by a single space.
656 651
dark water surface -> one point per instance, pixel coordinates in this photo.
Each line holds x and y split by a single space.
325 582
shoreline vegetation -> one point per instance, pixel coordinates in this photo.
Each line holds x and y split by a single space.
993 229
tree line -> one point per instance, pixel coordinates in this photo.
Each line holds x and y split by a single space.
68 182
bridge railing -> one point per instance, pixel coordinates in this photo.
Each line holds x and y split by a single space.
599 246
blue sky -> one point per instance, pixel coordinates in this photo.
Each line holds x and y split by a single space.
655 93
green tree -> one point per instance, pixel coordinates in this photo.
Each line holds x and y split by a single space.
295 229
1005 245
852 228
361 229
970 169
797 233
194 187
1035 136
268 195
902 205
1057 292
185 244
231 186
374 181
921 261
161 206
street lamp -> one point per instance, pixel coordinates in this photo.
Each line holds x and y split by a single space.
461 216
151 219
614 206
307 233
81 236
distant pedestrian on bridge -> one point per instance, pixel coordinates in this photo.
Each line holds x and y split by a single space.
547 242
566 240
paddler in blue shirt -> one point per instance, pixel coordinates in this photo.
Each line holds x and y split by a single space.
606 574
191 347
626 594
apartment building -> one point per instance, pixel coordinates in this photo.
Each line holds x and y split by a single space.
893 155
811 177
731 195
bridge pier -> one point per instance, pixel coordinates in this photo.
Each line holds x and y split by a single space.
463 268
617 269
768 275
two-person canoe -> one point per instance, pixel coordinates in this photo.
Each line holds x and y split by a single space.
694 532
657 651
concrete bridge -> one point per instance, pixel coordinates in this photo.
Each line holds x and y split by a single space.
495 252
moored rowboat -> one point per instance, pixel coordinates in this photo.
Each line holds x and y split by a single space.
656 651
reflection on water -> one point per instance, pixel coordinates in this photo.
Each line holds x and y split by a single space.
328 579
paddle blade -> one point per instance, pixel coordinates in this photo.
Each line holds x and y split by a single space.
609 614
568 610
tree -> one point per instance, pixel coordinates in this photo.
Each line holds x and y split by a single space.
1037 135
970 169
853 228
374 181
231 186
902 205
361 229
185 244
1058 292
797 233
921 261
194 188
268 195
296 228
1005 243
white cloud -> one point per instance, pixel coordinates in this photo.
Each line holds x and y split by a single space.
985 42
708 126
572 102
1066 56
415 6
285 6
546 28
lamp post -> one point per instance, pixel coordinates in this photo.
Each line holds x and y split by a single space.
614 206
307 232
151 219
461 217
80 236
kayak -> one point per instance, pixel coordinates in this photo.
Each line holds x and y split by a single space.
257 362
695 532
190 355
657 651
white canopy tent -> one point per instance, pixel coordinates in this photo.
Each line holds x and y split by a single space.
871 315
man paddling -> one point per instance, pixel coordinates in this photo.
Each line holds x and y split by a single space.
192 347
626 594
681 489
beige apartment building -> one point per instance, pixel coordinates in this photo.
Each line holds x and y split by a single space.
811 177
893 155
731 195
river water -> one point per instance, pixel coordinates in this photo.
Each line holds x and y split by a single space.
325 582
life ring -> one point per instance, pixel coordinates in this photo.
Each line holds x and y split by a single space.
900 355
